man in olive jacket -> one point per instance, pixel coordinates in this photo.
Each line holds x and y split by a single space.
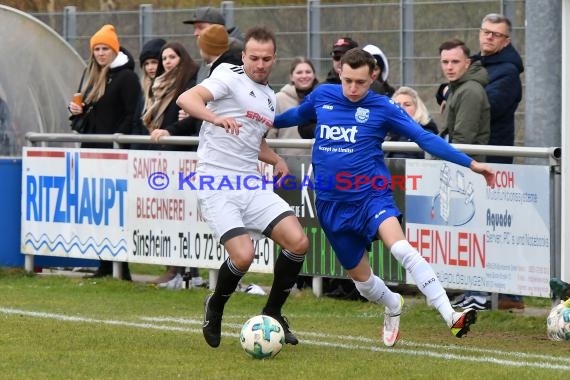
467 114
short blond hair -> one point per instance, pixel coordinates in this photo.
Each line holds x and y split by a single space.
422 114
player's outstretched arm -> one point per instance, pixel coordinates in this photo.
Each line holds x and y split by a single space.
295 116
485 170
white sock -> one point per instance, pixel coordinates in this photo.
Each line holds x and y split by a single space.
424 277
376 291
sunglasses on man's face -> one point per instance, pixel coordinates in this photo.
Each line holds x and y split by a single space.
336 57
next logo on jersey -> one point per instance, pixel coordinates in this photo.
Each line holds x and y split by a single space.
339 133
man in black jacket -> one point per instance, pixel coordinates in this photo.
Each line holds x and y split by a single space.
215 48
206 16
504 91
341 46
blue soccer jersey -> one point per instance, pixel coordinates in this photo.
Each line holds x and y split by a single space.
347 157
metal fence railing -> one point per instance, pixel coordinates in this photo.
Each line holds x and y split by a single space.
552 156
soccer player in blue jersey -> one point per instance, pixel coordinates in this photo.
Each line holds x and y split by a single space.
352 123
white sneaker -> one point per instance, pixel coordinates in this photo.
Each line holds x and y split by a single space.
391 332
197 282
176 283
457 300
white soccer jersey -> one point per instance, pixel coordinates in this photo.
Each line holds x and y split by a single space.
251 104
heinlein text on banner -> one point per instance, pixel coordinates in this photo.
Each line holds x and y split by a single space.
478 238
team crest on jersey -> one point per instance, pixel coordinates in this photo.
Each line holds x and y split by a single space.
362 115
270 105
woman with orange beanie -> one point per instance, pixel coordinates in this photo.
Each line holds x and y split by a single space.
110 89
110 98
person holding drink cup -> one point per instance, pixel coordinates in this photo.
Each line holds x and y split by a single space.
107 101
109 92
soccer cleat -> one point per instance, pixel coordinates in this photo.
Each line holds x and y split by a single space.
461 322
391 331
212 326
290 338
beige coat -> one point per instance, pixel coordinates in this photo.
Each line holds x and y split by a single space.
287 98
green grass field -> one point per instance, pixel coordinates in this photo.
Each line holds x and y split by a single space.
55 327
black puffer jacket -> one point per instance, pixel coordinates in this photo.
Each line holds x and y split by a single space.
226 57
118 109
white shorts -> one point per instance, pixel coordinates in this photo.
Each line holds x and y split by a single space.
230 213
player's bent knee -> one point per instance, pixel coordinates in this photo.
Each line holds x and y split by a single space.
243 260
303 246
300 246
298 243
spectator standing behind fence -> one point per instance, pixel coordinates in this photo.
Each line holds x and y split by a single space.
352 218
111 95
149 59
240 96
214 49
214 45
411 102
504 90
302 82
467 118
340 46
381 71
504 66
467 113
206 16
176 73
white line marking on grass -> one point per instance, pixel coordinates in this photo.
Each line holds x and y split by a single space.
67 318
442 356
393 350
447 347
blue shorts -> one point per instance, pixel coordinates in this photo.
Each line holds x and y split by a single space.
351 227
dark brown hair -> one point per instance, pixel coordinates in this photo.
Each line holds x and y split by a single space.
357 57
184 71
452 44
260 33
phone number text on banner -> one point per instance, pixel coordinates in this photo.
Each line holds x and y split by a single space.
119 205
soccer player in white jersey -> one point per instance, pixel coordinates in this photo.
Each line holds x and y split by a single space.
352 123
232 97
